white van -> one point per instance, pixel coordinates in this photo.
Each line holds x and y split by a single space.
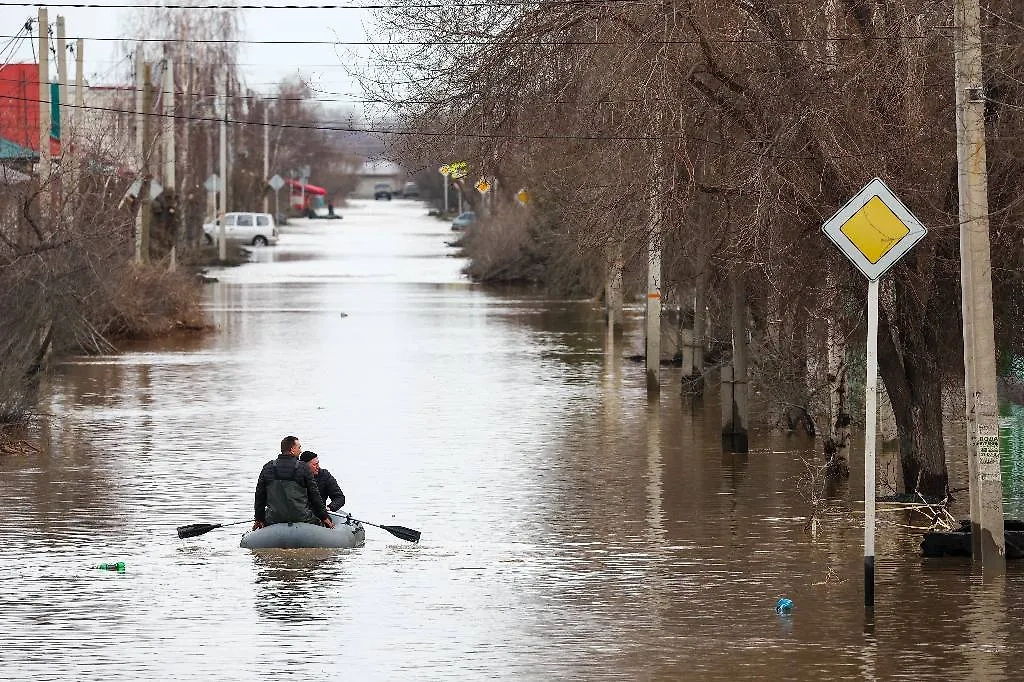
257 229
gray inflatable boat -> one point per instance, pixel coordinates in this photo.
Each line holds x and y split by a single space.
346 533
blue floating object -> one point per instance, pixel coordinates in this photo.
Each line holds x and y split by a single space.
784 605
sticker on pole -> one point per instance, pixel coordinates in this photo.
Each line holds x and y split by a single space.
874 229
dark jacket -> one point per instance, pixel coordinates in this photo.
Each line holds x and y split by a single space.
328 486
287 493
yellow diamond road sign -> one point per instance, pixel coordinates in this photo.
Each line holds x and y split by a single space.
874 229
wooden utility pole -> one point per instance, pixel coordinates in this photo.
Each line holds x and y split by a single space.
44 114
145 203
169 177
986 487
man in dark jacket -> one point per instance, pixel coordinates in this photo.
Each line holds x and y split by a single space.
286 491
327 484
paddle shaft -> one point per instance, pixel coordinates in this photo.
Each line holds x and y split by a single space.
407 534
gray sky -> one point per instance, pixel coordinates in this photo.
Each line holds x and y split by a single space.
262 65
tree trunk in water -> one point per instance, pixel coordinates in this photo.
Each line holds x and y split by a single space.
914 382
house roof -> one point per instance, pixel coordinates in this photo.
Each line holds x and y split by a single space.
380 167
9 151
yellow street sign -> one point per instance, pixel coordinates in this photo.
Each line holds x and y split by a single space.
874 229
445 170
482 186
523 197
458 170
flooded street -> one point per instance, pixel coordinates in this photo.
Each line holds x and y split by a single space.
570 530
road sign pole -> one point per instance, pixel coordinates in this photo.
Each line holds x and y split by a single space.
874 230
870 416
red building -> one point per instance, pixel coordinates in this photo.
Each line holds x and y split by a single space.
19 107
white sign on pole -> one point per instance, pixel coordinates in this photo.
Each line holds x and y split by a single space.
212 183
155 189
874 229
276 182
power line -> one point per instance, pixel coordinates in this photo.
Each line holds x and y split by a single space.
554 42
495 136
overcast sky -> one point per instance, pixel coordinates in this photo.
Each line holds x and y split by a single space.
262 65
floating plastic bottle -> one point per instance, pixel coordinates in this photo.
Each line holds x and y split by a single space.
119 567
784 605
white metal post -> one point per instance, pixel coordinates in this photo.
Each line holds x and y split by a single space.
870 416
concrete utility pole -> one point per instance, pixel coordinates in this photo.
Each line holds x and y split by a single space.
986 487
266 156
62 117
145 203
140 151
44 113
613 286
222 249
79 117
169 160
734 376
653 349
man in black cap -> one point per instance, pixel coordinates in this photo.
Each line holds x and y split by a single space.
327 484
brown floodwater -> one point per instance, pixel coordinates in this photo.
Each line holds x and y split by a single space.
571 529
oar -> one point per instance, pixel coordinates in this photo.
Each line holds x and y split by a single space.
407 534
196 529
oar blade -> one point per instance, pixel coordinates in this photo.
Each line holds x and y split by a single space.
407 534
195 529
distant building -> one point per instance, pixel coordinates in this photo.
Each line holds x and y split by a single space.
378 170
19 107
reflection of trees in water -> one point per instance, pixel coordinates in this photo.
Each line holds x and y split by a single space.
290 584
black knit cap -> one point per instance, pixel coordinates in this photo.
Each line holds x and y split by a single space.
307 456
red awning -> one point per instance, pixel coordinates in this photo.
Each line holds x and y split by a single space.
310 189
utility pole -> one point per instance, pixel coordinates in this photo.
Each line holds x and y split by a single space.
62 101
44 114
76 159
986 487
222 250
169 160
140 151
266 156
145 203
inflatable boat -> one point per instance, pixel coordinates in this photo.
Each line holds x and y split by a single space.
347 532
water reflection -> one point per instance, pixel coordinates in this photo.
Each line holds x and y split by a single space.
291 585
572 529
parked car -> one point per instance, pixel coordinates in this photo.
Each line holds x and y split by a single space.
463 220
410 191
258 229
382 190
